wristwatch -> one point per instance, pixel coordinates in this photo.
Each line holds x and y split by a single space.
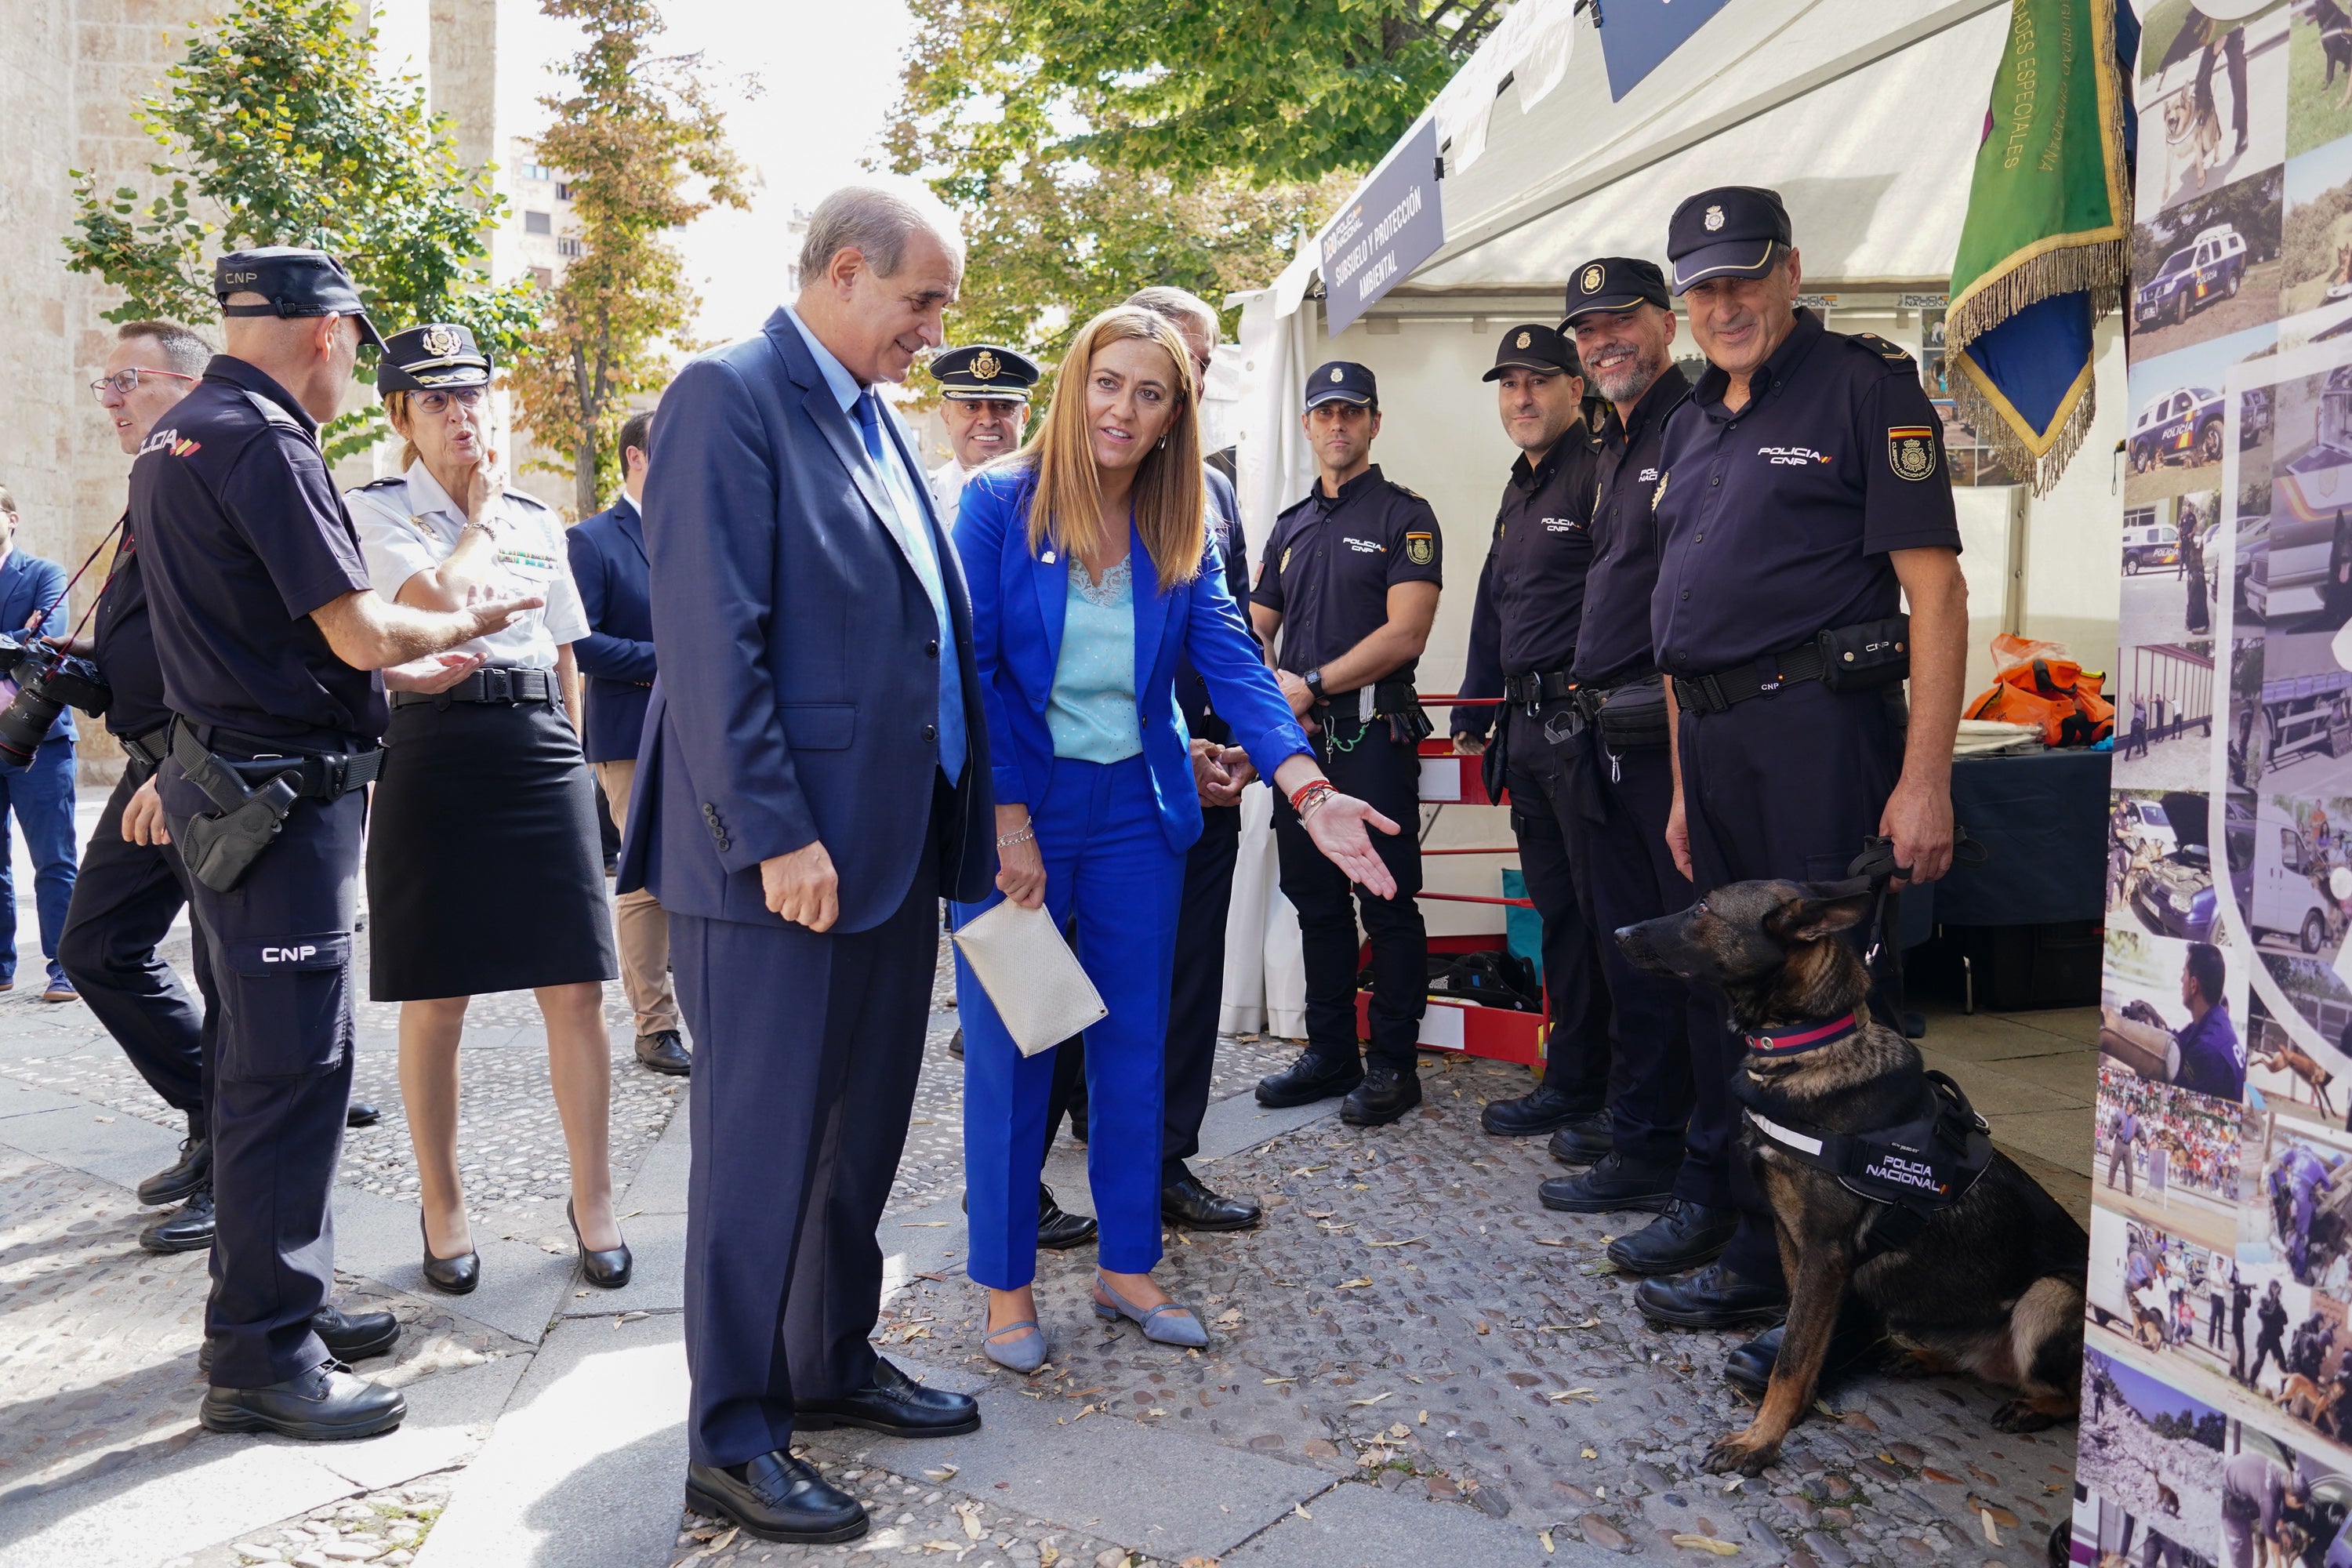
1314 679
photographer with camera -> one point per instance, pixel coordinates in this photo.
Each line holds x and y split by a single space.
37 758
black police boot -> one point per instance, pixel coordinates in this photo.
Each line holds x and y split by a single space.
361 1113
1685 1237
1542 1111
1058 1230
1858 1343
664 1051
192 1171
1710 1298
892 1404
1309 1079
347 1337
1583 1142
188 1229
1615 1183
1186 1200
776 1498
328 1403
1384 1096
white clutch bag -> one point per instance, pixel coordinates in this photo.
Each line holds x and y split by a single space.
1030 975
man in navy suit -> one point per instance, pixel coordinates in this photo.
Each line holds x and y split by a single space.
40 793
608 565
813 777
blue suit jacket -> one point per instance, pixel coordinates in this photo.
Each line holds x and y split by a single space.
1018 604
799 653
28 584
608 563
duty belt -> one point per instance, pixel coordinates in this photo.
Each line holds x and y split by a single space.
1725 689
1533 690
499 683
147 750
315 776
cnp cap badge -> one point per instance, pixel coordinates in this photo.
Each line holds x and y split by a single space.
1591 281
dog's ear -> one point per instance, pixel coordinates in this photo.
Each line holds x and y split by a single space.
1811 918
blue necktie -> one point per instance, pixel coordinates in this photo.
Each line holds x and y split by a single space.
953 743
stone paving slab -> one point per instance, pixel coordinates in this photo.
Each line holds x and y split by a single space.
140 1517
1359 1526
119 1149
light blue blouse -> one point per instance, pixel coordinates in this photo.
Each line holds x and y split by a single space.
1091 714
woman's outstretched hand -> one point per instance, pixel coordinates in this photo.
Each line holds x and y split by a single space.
1338 827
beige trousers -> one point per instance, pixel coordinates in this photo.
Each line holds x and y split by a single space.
640 925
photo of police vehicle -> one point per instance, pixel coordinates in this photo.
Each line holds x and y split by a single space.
2183 425
2212 266
2147 542
2307 561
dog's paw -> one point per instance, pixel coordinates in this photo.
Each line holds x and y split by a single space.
2019 1415
1740 1452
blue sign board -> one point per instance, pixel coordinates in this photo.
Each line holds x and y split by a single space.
1636 35
1392 227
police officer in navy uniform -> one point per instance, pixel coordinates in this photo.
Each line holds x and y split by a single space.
1523 633
985 404
1349 583
1801 489
269 636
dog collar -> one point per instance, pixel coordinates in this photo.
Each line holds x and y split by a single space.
1794 1039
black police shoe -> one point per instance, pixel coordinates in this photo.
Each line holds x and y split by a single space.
1613 1185
664 1051
1058 1230
1308 1080
1685 1236
1188 1201
347 1337
360 1113
188 1229
1583 1142
1710 1298
1857 1344
326 1404
955 1043
895 1405
776 1498
1384 1096
184 1176
1529 1114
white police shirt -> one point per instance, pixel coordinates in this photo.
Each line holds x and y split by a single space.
409 525
947 491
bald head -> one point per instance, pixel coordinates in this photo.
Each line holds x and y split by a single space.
309 356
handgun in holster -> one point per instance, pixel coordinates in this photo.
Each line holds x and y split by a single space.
1409 723
220 848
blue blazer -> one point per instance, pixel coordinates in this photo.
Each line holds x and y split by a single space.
1018 603
27 584
608 564
801 655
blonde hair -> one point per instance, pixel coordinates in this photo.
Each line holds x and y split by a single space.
1170 501
396 409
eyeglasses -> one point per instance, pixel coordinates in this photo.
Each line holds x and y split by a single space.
438 402
126 382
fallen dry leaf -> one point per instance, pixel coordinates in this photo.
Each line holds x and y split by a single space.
1300 1509
1273 1380
1990 1533
945 1472
1554 1241
1707 1543
1375 1399
1545 1536
1354 1284
922 1224
1407 1242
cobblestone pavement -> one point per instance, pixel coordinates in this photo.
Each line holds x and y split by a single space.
384 1527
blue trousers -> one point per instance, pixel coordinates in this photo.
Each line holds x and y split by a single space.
1108 860
40 797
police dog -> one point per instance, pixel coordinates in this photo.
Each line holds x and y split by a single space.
1994 1284
2192 124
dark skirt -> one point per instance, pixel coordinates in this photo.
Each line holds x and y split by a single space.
484 867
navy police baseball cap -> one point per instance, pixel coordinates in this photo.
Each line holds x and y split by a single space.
1534 346
430 358
296 281
1342 381
1731 231
1614 284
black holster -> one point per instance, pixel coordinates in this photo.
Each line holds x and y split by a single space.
220 848
1408 723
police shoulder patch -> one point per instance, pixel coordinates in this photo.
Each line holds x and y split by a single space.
1420 548
1911 451
1892 353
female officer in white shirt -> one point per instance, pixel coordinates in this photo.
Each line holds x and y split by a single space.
485 872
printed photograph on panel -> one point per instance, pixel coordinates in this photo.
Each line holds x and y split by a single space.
2296 1053
2108 1535
2160 864
2168 549
2318 75
2150 1448
2167 1158
2165 1012
2212 106
2296 733
2174 444
2209 267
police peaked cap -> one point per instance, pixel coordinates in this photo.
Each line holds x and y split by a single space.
296 281
983 372
431 358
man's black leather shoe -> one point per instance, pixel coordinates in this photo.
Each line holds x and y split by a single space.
1857 1344
955 1043
776 1498
1685 1237
893 1403
1586 1141
188 1229
1308 1080
1187 1201
360 1113
1542 1111
347 1338
1384 1096
1609 1186
1058 1229
1710 1298
326 1404
176 1182
664 1051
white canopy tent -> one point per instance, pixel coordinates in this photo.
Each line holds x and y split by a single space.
1865 114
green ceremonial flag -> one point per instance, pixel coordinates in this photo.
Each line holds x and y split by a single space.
2046 249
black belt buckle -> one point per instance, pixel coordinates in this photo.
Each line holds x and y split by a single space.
1712 689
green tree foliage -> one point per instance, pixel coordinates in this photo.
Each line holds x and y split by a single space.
274 129
645 148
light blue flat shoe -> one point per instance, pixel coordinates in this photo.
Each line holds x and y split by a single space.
1166 1324
1024 1354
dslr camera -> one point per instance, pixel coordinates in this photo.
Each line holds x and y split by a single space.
48 680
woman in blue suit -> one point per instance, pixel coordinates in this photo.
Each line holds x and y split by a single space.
1089 563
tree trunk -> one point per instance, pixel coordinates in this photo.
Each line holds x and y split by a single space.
584 478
